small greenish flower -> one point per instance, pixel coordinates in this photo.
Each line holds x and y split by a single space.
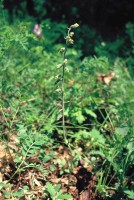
62 50
103 44
58 90
71 34
69 40
74 25
57 76
59 116
66 69
65 61
59 66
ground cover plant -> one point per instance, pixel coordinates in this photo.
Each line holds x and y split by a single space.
66 111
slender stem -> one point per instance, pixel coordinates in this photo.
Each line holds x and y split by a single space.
63 106
63 103
63 91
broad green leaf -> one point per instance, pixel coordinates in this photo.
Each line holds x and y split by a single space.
65 196
97 153
50 189
79 116
96 134
19 193
3 184
91 113
129 193
57 187
122 131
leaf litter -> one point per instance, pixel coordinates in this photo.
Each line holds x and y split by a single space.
31 180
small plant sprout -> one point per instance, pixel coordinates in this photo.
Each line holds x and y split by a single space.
63 67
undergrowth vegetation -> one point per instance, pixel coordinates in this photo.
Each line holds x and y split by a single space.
66 119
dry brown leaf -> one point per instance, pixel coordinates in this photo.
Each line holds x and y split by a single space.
2 150
12 145
106 78
85 195
100 77
55 180
1 177
2 196
71 82
65 180
38 183
14 138
76 169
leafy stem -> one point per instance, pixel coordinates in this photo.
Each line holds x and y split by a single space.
23 160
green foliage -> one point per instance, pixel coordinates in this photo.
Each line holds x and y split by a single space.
38 5
130 194
98 106
56 193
